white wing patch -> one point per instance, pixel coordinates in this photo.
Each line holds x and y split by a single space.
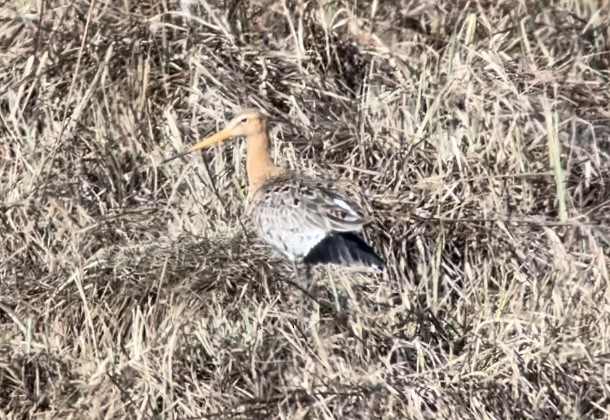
344 206
295 245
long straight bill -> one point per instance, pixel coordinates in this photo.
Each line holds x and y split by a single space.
204 144
176 156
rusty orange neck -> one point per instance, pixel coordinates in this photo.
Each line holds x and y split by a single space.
259 165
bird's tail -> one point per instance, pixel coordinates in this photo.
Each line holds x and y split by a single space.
345 248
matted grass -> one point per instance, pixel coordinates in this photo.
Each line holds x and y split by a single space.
477 133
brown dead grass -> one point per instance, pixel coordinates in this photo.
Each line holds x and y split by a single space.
477 132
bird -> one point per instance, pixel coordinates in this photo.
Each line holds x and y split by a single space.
308 220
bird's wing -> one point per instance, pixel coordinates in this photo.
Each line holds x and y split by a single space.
306 205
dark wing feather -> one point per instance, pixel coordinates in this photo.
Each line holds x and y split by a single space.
344 248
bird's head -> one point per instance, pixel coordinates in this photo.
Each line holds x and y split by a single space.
248 123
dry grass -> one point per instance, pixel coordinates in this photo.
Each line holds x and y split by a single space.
478 133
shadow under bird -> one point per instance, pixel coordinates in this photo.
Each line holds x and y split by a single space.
308 220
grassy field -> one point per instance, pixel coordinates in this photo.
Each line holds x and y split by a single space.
476 133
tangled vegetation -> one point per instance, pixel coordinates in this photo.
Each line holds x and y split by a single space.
476 133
